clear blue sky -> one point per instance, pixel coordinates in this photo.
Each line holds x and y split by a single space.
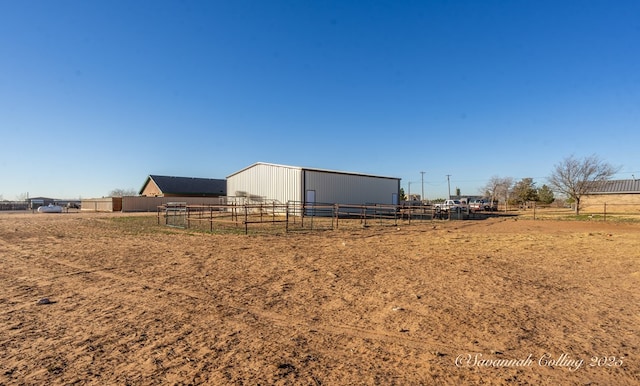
96 95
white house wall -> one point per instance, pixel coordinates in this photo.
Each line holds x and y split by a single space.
342 188
272 182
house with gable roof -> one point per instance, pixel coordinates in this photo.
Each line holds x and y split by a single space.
168 186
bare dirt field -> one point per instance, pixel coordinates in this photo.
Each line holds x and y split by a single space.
496 301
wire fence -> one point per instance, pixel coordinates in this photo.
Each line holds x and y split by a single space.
598 212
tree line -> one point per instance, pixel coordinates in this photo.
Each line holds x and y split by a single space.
572 177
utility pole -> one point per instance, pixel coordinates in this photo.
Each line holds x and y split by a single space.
449 185
409 195
422 195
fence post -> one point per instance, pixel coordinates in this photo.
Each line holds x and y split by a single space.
246 220
364 215
395 215
295 211
605 211
534 210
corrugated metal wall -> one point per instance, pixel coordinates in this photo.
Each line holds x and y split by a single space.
272 182
350 188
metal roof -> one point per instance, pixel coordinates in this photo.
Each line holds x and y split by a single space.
188 185
615 186
312 169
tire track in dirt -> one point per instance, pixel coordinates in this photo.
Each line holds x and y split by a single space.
264 316
162 357
288 321
336 329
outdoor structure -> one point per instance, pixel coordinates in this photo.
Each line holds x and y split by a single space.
35 202
141 204
167 186
104 204
622 196
14 205
282 184
150 204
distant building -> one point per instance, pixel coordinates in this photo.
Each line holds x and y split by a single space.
283 183
166 186
619 195
35 202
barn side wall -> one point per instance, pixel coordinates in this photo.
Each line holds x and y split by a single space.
343 188
263 181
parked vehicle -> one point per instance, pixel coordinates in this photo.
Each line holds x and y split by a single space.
448 205
482 205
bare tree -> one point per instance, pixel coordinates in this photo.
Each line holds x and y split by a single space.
123 192
575 177
504 188
498 187
490 188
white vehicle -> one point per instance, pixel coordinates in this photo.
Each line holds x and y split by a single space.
483 205
448 205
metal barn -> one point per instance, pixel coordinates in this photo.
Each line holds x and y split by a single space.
282 183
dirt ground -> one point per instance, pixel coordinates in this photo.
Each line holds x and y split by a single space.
497 301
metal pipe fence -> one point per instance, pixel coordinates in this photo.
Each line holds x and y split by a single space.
14 205
274 217
296 216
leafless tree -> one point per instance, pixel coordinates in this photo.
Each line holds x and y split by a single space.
123 192
498 187
574 177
